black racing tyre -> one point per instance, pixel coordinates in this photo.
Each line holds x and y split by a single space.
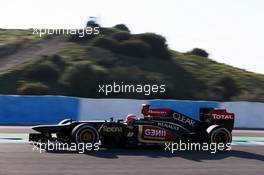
85 133
218 134
65 121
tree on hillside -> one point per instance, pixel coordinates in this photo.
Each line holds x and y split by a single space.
122 27
82 79
121 36
157 43
135 48
198 52
106 42
92 22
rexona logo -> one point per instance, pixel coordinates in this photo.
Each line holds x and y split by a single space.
223 117
183 119
112 129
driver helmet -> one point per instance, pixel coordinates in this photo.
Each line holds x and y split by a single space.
130 118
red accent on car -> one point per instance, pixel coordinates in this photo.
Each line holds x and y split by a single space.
131 117
221 114
161 112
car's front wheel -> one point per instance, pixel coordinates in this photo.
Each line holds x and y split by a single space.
84 133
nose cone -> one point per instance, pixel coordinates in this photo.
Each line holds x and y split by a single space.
50 128
38 128
44 128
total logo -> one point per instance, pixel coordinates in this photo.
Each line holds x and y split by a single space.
223 117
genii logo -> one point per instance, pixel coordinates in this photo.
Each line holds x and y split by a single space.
156 133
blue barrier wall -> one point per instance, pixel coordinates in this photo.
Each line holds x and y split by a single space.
30 110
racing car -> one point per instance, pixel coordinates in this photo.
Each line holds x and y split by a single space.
156 126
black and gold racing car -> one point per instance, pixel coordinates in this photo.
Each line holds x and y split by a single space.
156 126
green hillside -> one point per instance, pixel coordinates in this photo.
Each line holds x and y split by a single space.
12 40
81 64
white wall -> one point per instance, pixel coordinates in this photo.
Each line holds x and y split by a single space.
247 114
91 109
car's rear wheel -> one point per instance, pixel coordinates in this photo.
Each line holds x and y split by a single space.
84 133
218 134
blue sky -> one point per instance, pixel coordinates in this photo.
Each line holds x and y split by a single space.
231 31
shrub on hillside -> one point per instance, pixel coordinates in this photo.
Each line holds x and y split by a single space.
79 37
135 48
121 36
105 42
108 31
56 59
198 52
92 23
43 71
82 79
157 44
33 89
122 27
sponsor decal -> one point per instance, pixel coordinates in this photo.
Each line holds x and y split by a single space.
168 126
160 112
183 119
156 133
130 127
112 129
130 134
223 116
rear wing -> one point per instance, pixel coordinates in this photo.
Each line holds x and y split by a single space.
217 116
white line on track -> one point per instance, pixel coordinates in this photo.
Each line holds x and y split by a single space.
250 143
12 141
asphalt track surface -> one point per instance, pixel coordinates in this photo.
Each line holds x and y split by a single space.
20 158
